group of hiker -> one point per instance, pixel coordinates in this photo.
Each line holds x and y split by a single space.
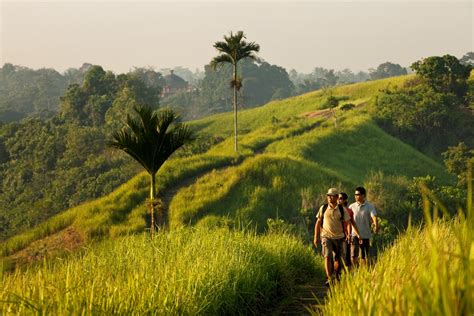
344 231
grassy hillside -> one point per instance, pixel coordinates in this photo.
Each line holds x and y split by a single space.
285 153
252 119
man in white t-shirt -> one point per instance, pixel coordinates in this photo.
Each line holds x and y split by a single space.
364 215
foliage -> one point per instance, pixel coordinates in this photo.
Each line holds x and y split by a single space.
50 165
386 70
429 112
48 168
186 272
25 92
103 92
467 59
444 74
347 106
456 159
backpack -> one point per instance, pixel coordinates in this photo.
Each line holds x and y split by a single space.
341 209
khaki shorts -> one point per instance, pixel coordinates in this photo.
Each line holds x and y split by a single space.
333 246
364 247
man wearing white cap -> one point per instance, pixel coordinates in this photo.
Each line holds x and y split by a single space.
329 230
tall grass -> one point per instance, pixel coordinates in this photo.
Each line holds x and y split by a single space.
428 271
184 272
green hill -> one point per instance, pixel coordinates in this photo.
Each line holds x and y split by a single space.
286 148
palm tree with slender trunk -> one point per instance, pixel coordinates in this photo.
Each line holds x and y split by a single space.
150 138
232 49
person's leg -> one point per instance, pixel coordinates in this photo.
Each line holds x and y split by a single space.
355 251
340 246
327 253
348 254
364 247
337 266
328 264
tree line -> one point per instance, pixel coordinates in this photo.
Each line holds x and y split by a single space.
26 92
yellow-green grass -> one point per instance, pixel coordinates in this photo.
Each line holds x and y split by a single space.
426 272
266 186
182 272
255 141
356 147
251 119
122 211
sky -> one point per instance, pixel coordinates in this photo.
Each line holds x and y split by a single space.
301 35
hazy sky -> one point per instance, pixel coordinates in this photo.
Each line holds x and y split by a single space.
302 35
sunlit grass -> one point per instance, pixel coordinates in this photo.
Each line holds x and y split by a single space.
267 186
357 146
184 272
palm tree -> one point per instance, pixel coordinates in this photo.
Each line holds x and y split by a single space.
233 49
150 139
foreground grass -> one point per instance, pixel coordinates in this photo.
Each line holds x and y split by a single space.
427 272
183 272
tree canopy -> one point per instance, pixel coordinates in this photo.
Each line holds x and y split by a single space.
444 74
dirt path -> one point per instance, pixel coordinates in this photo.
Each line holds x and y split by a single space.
306 296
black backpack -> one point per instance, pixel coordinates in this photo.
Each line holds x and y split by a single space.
341 209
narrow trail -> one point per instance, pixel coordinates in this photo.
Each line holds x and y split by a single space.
306 297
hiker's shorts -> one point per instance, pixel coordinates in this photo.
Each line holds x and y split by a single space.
364 247
333 246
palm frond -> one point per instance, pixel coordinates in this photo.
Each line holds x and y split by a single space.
150 137
219 61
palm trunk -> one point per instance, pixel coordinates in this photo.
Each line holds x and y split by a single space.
152 204
235 107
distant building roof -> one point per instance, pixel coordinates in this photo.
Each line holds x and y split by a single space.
175 81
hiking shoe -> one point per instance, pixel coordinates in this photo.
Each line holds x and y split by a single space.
327 283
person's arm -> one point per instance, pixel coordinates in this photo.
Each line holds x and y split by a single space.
317 232
376 223
354 226
375 220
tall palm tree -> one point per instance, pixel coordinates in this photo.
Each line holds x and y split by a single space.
151 138
233 49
